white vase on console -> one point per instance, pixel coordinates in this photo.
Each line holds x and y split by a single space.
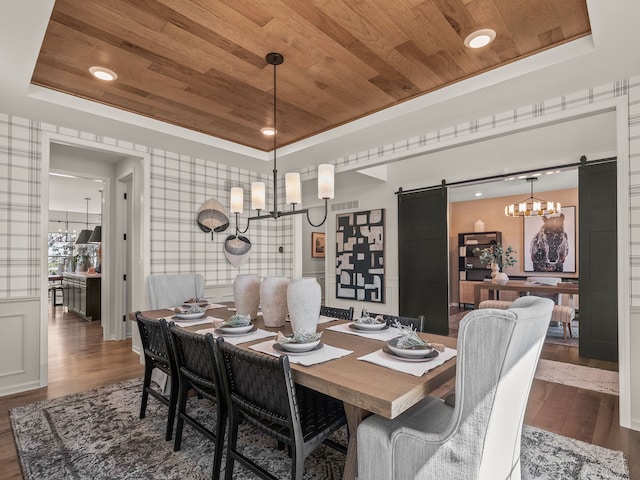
246 295
495 269
273 298
501 278
303 300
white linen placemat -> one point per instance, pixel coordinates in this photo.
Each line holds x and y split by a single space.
321 319
325 354
190 323
413 368
232 309
384 335
236 339
216 305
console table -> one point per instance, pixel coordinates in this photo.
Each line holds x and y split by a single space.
522 287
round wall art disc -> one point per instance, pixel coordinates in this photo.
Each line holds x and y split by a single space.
212 217
237 249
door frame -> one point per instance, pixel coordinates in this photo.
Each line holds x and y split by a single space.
113 328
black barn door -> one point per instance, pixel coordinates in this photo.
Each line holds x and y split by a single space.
598 261
423 250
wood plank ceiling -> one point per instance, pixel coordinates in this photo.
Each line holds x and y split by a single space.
200 64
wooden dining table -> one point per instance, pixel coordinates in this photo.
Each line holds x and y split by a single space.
521 287
363 387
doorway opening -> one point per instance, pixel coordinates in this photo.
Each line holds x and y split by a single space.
93 164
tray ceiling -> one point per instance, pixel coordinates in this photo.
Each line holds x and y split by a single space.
200 64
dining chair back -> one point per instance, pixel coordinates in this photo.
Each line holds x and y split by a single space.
260 392
156 347
416 323
198 371
478 437
168 291
339 313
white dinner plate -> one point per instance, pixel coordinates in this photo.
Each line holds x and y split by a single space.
235 330
369 326
278 347
190 316
434 353
198 304
416 352
357 328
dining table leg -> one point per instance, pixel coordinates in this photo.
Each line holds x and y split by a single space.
354 415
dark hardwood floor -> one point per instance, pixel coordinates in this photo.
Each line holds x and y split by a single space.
79 360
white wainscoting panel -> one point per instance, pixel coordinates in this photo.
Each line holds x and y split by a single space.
634 365
19 345
219 293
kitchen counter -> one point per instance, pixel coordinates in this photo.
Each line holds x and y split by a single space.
82 294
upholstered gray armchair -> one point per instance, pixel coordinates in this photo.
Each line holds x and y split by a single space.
167 291
478 438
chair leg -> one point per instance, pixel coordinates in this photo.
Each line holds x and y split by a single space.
217 456
297 464
564 330
570 332
182 404
173 400
231 447
146 383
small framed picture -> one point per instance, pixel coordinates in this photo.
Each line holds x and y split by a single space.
317 244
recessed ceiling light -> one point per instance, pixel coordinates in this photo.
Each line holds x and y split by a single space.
480 38
536 174
103 73
478 194
268 131
550 173
521 177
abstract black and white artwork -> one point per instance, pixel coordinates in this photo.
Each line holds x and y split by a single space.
550 242
360 256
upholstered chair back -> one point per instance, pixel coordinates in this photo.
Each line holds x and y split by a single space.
167 291
497 364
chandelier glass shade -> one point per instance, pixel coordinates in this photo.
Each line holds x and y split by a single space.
293 191
531 207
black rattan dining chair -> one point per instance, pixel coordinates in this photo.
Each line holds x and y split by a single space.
156 347
417 323
198 370
339 313
260 392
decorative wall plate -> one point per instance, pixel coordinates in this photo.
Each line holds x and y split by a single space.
212 217
237 249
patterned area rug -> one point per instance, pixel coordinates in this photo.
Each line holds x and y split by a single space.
98 435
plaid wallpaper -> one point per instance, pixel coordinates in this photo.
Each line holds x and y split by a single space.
180 184
19 207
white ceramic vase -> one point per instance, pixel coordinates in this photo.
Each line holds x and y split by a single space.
303 300
246 295
501 278
273 298
495 269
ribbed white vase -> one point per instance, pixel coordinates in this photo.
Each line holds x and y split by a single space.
303 300
273 298
246 295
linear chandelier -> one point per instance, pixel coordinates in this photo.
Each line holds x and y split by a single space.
531 207
293 192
